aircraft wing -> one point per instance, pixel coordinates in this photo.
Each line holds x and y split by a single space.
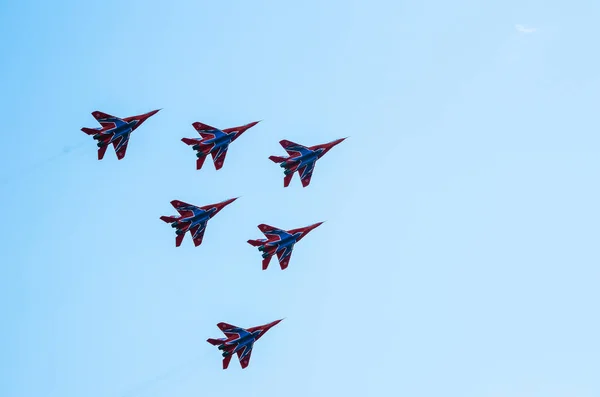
206 131
106 120
306 172
293 149
231 330
120 146
244 355
284 257
182 207
198 233
271 231
219 157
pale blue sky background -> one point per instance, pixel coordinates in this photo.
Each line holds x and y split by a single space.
460 254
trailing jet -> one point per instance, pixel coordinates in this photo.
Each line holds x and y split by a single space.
193 219
240 341
115 130
214 141
301 159
280 242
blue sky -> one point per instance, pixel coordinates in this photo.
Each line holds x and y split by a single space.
459 254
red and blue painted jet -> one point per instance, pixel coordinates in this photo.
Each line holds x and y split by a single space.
301 159
280 242
240 341
193 219
115 130
214 141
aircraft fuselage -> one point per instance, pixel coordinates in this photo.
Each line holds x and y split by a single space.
199 217
309 156
221 139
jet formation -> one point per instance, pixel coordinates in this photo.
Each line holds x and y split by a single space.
194 219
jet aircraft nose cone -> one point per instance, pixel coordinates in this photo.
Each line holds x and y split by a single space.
338 141
227 202
152 113
249 125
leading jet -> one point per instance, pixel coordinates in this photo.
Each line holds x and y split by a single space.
279 242
214 141
115 130
301 159
240 341
193 219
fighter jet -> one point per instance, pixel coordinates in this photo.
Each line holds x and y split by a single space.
280 242
214 141
193 219
115 130
301 159
240 341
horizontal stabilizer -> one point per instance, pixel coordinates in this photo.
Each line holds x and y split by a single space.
277 159
255 243
90 131
200 162
189 141
226 361
287 179
215 342
265 262
168 219
101 152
